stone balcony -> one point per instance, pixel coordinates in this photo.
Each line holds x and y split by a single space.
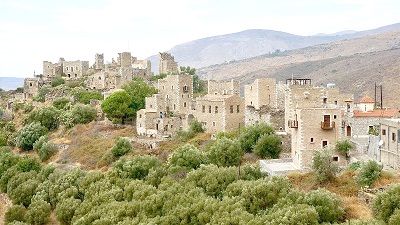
327 125
293 123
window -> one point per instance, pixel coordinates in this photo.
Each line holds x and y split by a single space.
213 124
140 115
251 103
334 116
383 132
184 104
216 109
30 84
99 78
335 102
312 140
238 108
151 106
324 144
231 108
185 88
203 108
324 100
72 69
209 109
174 106
172 87
335 158
76 75
393 136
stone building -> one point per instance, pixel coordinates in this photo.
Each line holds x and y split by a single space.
390 143
67 69
223 87
218 112
167 64
99 61
31 87
262 92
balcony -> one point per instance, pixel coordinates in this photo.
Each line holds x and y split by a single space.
327 125
293 124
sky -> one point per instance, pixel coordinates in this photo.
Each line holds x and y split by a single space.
32 31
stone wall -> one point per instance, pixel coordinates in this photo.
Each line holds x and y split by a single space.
223 87
262 92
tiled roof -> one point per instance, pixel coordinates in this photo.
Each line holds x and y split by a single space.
367 99
387 113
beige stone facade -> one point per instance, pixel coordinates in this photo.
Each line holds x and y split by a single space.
390 148
31 87
75 69
167 64
223 87
262 92
219 112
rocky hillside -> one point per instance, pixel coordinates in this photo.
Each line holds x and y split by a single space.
250 43
353 65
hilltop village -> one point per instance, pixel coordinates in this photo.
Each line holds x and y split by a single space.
111 141
307 117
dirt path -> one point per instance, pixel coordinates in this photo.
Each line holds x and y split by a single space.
5 202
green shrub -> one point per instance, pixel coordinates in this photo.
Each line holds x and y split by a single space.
328 205
60 103
187 156
225 152
41 96
57 81
117 107
3 138
268 146
121 147
369 173
47 117
298 214
343 147
137 167
83 114
84 96
387 203
323 166
47 150
65 210
395 218
38 212
195 127
15 213
29 134
249 136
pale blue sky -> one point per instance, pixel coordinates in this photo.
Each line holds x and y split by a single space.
37 30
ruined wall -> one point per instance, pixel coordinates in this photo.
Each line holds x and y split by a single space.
223 87
31 87
167 64
99 61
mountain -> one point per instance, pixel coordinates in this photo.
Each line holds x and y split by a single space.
11 83
354 65
250 43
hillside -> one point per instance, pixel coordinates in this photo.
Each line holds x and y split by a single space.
250 43
353 65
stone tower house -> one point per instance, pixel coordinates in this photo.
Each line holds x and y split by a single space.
99 61
167 64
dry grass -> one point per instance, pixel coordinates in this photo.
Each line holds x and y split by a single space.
387 178
356 209
4 204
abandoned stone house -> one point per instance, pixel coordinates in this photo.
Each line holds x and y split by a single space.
31 87
260 98
223 87
313 117
390 143
167 64
67 69
169 110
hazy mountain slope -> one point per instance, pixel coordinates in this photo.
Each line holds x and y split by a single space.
11 83
354 65
250 43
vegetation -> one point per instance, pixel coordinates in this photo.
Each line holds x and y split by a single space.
117 107
138 90
60 103
121 147
159 76
47 117
225 152
187 156
268 146
83 114
195 128
250 135
44 148
344 147
323 166
41 96
29 134
386 205
83 96
57 81
369 173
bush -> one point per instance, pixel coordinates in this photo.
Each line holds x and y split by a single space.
83 114
121 147
344 147
65 210
3 138
29 134
60 103
323 166
47 150
187 156
249 137
195 127
369 173
386 203
225 152
395 218
84 96
38 212
268 146
15 213
57 81
327 205
47 117
41 96
136 168
298 214
117 107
